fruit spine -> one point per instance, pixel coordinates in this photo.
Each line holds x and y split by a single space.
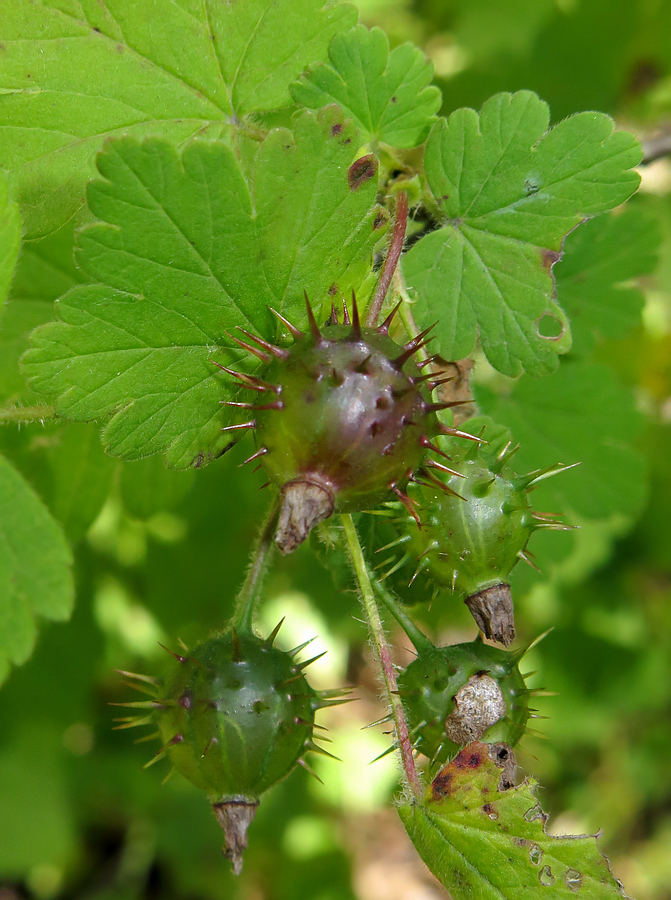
348 422
235 715
476 522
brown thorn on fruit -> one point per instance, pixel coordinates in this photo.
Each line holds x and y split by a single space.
454 432
276 404
240 427
267 484
317 336
355 333
345 313
420 379
259 354
315 748
179 658
425 442
386 325
176 739
237 404
259 453
273 634
412 347
296 333
408 502
436 482
276 351
434 384
334 313
431 463
419 569
429 361
250 381
212 740
439 407
525 557
302 646
383 721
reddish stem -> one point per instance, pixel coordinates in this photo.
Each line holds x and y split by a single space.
390 263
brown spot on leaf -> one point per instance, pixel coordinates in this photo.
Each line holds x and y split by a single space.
361 171
333 290
379 221
336 129
549 258
441 785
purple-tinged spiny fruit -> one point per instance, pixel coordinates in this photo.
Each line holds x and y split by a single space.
348 420
475 525
460 693
235 715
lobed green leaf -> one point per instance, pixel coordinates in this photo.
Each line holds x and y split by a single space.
189 250
388 94
72 74
484 843
35 576
507 191
580 414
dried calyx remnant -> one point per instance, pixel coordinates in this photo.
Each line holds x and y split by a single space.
348 421
476 523
234 715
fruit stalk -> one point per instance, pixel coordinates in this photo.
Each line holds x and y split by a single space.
19 414
250 591
383 655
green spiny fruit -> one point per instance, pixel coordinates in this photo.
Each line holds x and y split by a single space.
476 521
349 421
461 693
235 715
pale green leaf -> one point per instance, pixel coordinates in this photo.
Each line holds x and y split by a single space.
10 238
188 251
579 414
387 94
484 843
35 576
507 191
70 76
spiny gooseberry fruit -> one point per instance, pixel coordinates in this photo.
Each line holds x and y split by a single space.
349 421
461 693
235 715
476 521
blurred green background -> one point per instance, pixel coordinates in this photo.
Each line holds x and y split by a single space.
166 552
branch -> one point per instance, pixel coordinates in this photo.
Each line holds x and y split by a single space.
383 655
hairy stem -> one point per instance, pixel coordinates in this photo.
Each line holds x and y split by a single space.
383 654
10 415
390 263
251 589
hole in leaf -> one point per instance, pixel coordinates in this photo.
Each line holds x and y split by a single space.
550 327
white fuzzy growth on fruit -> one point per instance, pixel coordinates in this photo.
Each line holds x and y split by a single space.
478 705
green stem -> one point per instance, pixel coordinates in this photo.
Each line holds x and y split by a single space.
419 639
391 261
382 654
250 591
18 414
